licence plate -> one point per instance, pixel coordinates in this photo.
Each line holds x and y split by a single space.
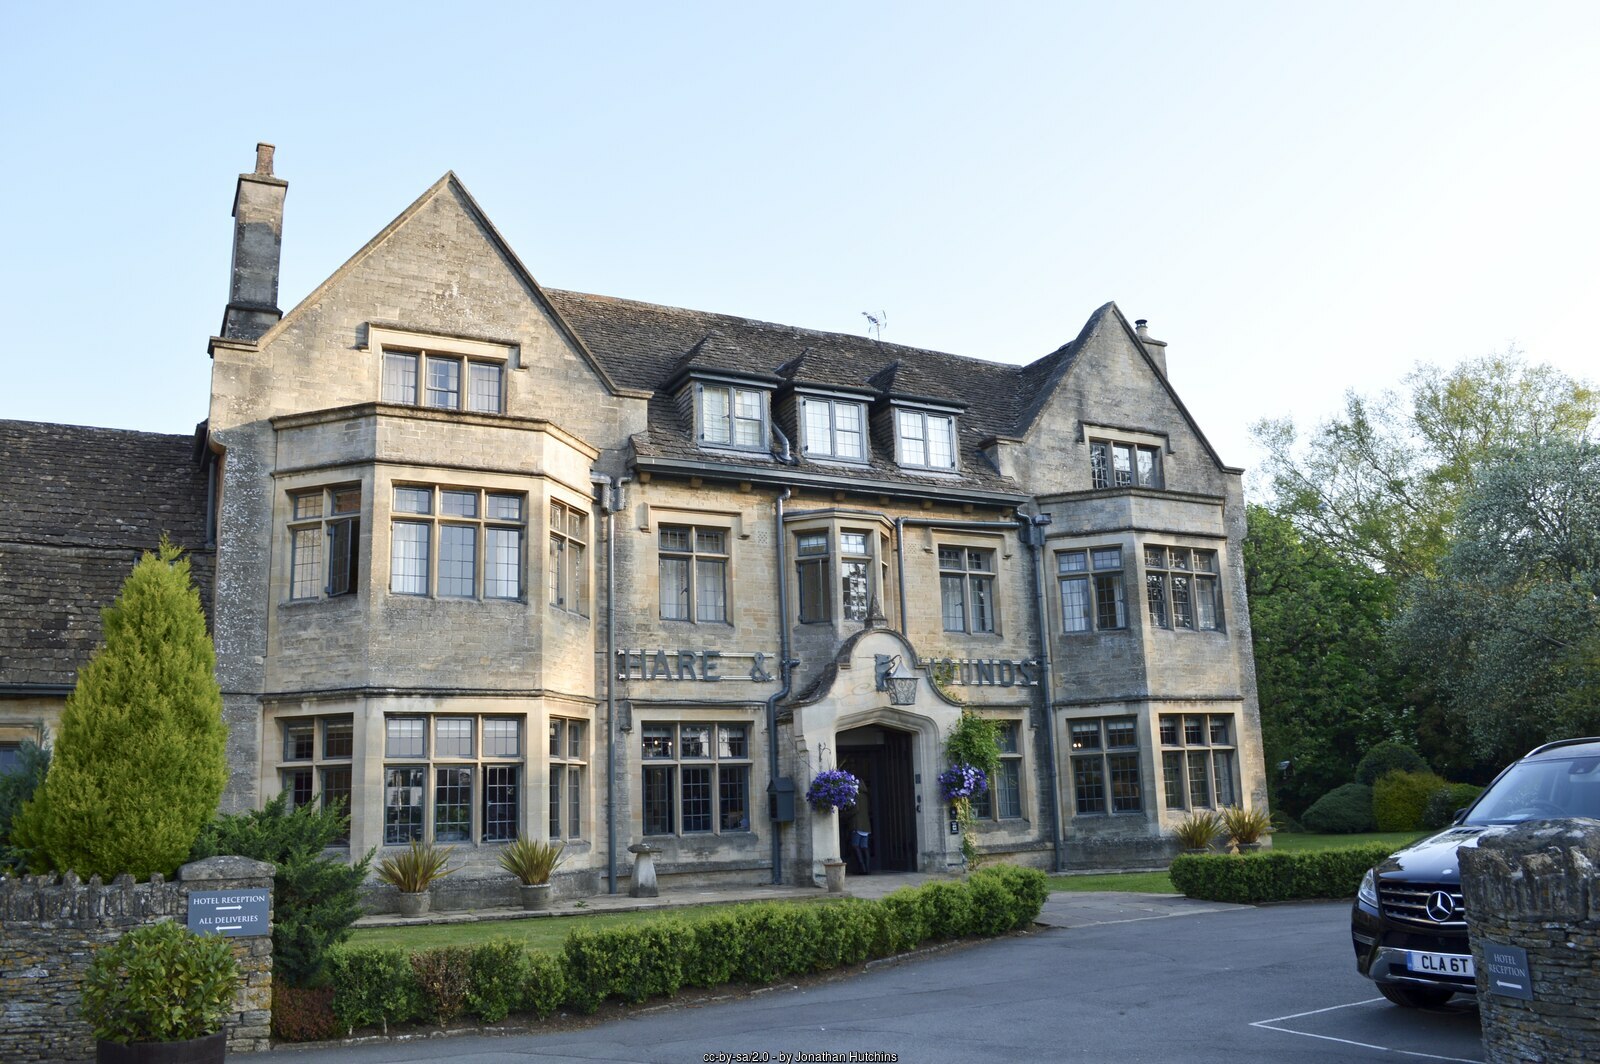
1440 964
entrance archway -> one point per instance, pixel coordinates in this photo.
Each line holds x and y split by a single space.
880 757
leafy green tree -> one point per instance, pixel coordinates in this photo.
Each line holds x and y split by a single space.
1379 485
139 761
1509 628
1328 684
16 787
316 895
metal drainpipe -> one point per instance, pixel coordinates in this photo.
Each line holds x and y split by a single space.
783 685
900 524
610 503
1046 681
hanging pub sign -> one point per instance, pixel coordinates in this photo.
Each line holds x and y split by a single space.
984 672
699 666
233 913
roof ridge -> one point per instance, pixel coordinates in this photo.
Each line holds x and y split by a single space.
58 425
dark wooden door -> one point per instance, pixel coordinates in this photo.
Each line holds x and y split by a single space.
885 774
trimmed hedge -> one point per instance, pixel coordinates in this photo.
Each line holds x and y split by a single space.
1344 810
1258 877
375 987
1444 803
1386 758
1399 799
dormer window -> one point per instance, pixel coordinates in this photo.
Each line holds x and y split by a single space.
925 440
833 428
1114 464
731 416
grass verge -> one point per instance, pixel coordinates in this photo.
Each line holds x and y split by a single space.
1131 882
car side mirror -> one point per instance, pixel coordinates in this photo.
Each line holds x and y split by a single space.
1461 814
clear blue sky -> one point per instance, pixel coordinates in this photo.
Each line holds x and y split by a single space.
1301 198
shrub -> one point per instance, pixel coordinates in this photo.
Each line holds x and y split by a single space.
372 987
16 787
1028 888
846 929
160 983
631 963
715 956
531 860
316 897
1260 877
777 940
1446 801
1342 811
301 1014
905 922
443 980
1386 758
498 977
415 869
1245 826
139 761
546 987
1400 798
947 908
1198 830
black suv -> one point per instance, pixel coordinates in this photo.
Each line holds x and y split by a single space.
1408 925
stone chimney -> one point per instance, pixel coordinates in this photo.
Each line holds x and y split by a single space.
1157 348
257 246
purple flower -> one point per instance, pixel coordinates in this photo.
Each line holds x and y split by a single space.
962 781
833 788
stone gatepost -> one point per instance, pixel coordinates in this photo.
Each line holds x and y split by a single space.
1533 895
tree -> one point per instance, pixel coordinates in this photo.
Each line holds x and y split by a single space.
1380 484
1328 685
139 762
16 787
1509 627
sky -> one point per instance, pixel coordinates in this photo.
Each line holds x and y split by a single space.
1301 198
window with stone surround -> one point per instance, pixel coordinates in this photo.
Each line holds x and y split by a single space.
443 381
1003 799
966 589
569 761
457 543
324 542
1199 761
693 582
316 761
1090 583
1120 464
569 559
452 778
849 553
1105 765
1181 588
696 778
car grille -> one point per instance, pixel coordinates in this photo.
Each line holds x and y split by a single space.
1408 903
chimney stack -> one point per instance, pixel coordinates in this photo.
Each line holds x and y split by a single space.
257 247
1156 348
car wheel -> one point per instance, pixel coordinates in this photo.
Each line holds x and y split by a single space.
1414 997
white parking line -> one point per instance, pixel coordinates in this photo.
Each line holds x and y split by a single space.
1267 1025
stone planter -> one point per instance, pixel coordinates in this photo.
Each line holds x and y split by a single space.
1248 847
535 896
834 872
208 1049
1195 849
415 904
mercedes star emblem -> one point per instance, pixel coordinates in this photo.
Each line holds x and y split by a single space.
1441 906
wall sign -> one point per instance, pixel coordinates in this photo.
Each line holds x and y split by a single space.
984 672
1507 968
229 912
700 666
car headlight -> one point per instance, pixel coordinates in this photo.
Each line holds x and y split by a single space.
1367 893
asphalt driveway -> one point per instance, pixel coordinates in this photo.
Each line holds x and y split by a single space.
1119 979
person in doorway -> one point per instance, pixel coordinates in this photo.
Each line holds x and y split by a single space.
861 832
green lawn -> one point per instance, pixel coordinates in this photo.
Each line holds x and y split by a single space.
1305 840
541 934
1133 882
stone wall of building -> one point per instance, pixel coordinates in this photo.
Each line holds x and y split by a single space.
50 928
1537 887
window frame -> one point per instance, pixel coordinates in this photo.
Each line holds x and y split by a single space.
833 565
1100 762
671 767
315 766
829 450
969 579
1161 584
986 807
568 777
435 520
432 763
1103 471
1181 751
924 418
692 556
567 558
1104 588
421 358
731 418
335 532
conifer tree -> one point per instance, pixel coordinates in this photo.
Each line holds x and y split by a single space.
140 758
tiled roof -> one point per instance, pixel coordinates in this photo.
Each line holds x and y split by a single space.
643 345
80 505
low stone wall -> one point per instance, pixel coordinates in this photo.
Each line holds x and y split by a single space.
50 927
1537 888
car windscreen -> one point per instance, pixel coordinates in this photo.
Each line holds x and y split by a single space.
1541 790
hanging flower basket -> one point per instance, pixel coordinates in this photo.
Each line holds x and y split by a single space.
962 781
833 788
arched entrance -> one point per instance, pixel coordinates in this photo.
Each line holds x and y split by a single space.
880 757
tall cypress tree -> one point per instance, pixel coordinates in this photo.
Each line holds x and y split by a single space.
140 759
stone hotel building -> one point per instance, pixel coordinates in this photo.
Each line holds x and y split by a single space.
486 558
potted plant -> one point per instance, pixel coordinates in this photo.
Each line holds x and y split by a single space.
159 994
413 872
532 861
1245 827
1196 831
